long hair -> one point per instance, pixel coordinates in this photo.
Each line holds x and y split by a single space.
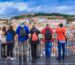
4 29
10 28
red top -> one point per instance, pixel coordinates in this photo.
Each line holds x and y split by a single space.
43 32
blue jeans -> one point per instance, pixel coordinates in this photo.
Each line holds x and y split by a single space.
61 49
48 48
10 47
22 48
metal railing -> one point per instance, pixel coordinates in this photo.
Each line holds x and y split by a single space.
70 48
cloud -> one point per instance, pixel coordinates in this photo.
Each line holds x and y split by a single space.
61 9
9 9
20 6
16 8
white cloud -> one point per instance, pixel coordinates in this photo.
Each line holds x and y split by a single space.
63 8
2 10
60 9
35 9
14 8
20 6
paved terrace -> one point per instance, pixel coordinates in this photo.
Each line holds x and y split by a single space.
40 61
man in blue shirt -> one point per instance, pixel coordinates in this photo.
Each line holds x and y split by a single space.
22 31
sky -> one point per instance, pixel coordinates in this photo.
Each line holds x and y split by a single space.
10 8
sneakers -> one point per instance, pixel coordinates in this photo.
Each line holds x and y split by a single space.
24 58
60 58
8 57
11 58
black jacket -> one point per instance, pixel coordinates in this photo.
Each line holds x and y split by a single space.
37 32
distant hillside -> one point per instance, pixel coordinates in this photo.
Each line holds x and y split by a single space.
52 14
68 17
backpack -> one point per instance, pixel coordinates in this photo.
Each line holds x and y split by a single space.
22 32
34 37
9 36
48 34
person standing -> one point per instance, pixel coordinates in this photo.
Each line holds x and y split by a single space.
61 37
34 41
3 42
47 33
22 32
0 36
10 34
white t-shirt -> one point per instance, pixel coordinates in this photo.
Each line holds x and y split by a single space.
2 37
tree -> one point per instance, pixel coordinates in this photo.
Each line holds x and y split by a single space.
69 19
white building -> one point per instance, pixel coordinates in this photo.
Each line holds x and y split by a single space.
3 22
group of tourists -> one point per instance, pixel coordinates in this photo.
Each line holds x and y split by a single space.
24 35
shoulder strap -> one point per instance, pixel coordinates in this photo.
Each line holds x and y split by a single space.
47 29
64 34
65 37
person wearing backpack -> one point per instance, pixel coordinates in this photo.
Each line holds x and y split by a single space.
10 34
22 32
47 33
34 40
61 37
